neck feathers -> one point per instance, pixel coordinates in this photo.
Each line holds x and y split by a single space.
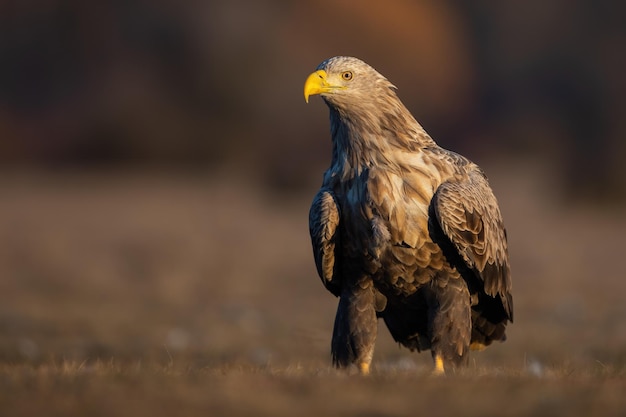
371 132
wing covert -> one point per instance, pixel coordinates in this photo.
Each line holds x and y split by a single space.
323 227
468 214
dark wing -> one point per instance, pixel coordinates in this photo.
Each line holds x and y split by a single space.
468 214
323 226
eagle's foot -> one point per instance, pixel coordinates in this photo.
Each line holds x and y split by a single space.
477 346
364 368
438 370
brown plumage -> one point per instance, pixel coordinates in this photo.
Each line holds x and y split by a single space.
402 229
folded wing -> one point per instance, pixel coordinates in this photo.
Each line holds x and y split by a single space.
468 214
323 227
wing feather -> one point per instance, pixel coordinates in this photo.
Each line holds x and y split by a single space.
468 214
323 227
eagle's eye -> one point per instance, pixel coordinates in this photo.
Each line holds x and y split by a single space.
346 75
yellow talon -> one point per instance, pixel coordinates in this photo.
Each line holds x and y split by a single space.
364 368
438 366
477 346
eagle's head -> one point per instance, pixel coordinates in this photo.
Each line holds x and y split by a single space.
346 82
365 112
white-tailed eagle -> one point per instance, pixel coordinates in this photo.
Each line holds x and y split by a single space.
403 229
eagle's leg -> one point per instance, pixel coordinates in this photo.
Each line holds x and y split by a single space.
356 326
450 323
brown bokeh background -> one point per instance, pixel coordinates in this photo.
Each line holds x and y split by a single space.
214 85
157 161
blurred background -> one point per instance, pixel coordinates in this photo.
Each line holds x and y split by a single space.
157 161
216 84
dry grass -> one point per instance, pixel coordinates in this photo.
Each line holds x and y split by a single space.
137 295
112 389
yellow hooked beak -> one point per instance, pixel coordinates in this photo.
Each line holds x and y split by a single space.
317 83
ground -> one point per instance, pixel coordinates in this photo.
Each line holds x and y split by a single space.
136 294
